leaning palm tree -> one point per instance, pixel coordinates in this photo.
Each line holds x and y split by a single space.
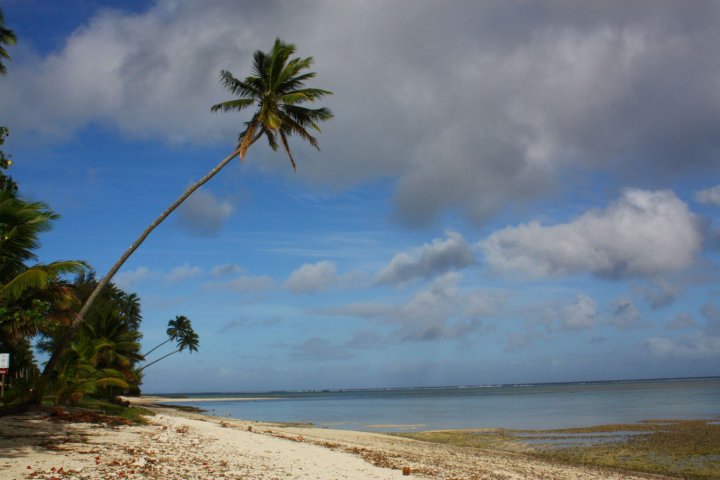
176 329
186 339
277 90
7 37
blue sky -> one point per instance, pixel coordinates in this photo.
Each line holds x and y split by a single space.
510 191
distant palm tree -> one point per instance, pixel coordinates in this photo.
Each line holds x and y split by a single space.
277 90
7 37
176 329
184 335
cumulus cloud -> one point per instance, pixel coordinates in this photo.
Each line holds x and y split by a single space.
312 277
710 196
127 279
692 347
531 102
644 233
183 272
440 256
579 315
441 310
203 213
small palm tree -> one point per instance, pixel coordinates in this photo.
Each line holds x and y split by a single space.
80 371
176 328
7 37
277 90
185 336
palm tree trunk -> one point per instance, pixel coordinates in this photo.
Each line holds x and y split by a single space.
156 347
62 344
155 361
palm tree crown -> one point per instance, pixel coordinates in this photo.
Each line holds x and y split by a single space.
7 37
177 327
277 89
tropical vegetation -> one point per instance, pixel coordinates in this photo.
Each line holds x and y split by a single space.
180 330
7 37
90 329
277 91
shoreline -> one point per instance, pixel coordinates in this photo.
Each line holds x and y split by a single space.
184 445
159 400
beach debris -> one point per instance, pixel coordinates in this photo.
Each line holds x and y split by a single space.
86 416
406 471
249 428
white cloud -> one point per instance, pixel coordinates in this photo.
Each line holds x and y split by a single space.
643 233
531 103
125 280
225 269
579 315
698 345
693 347
312 277
203 214
440 256
710 196
248 283
183 272
439 311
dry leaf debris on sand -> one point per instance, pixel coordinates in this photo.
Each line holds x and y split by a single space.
179 445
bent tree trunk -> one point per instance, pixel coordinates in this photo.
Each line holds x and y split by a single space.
156 347
161 358
42 383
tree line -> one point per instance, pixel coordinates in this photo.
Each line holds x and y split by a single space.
90 329
39 301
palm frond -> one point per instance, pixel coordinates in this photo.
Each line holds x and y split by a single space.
38 277
292 127
232 105
237 87
271 138
283 137
279 54
277 86
292 68
304 95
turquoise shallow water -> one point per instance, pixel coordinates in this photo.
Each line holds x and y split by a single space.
540 406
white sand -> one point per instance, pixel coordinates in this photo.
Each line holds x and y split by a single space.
179 445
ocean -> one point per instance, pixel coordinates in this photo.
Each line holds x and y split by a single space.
528 406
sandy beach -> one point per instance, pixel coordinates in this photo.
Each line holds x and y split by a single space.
182 445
